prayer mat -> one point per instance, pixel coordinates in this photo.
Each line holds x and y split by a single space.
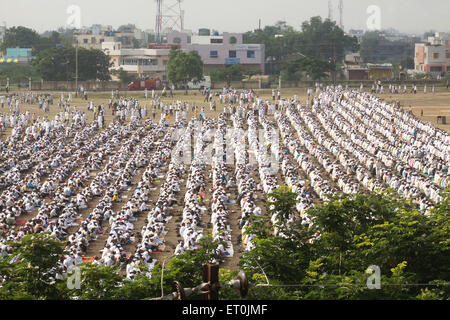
88 260
21 222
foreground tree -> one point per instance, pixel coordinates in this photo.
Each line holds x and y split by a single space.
29 272
328 258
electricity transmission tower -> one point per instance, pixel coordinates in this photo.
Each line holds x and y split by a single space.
341 14
168 16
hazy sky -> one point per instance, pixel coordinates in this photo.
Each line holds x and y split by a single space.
412 16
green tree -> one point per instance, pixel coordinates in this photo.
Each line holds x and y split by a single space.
18 72
375 47
232 73
318 38
323 39
314 67
184 67
282 258
21 37
327 258
407 62
124 76
58 64
98 283
30 270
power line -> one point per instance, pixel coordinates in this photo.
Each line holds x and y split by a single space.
211 287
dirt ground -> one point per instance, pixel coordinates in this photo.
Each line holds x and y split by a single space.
432 105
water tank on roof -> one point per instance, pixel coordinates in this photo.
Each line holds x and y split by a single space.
204 32
216 33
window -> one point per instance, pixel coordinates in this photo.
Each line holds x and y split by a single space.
233 40
213 54
216 40
435 69
165 62
250 54
232 54
85 40
435 55
177 40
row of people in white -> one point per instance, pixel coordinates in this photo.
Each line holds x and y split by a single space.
62 206
221 230
52 159
115 178
406 186
246 185
424 157
191 231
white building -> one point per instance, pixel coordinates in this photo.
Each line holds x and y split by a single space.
221 50
149 63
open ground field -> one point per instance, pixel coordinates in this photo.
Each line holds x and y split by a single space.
431 104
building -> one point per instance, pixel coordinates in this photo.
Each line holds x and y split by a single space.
433 56
145 63
93 37
21 56
369 71
91 40
219 51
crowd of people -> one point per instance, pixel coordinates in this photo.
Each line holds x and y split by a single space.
339 140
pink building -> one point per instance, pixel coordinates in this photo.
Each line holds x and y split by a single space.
219 51
433 56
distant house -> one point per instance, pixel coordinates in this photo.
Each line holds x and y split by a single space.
145 63
219 51
355 70
433 56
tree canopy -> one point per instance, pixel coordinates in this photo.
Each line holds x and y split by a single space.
184 67
327 258
58 64
375 47
319 38
23 37
297 69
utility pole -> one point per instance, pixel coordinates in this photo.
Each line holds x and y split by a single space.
211 276
333 54
76 70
